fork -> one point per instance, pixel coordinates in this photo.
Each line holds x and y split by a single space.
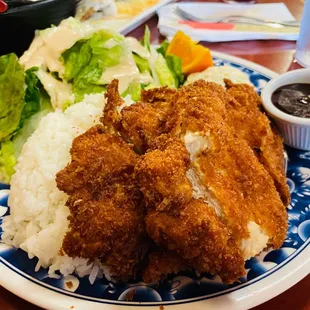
236 18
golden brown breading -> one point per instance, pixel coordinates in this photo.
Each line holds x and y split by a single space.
198 235
207 95
106 219
230 171
249 123
162 174
111 116
140 124
240 108
160 98
161 264
245 95
93 161
180 223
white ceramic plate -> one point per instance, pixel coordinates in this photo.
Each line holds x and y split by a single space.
268 275
124 26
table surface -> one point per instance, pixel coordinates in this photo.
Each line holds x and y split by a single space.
275 55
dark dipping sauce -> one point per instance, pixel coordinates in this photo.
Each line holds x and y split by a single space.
293 99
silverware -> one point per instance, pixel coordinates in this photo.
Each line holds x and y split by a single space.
237 19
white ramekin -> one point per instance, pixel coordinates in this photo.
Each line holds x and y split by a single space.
294 130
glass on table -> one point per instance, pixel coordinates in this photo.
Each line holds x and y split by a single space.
302 54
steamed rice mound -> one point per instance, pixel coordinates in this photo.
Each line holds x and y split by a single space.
38 220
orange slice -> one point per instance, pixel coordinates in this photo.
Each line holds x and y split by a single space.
195 57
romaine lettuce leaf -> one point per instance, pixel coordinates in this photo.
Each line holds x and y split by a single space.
76 58
36 99
163 48
11 148
7 161
146 40
23 102
87 59
134 90
35 104
12 93
142 64
165 76
175 65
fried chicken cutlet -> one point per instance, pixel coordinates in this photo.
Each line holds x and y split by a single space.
228 168
240 107
106 221
180 223
245 116
235 208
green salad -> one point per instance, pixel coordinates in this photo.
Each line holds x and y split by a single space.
65 63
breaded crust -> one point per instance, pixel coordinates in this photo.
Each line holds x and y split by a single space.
250 123
106 221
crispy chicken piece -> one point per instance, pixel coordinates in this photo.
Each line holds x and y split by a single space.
162 174
141 122
245 95
240 106
111 115
161 95
185 225
160 98
106 219
199 236
249 123
234 181
235 210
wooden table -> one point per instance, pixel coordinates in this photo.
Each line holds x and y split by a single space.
275 55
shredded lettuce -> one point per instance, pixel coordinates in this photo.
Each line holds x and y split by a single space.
146 40
12 93
164 74
134 90
88 58
142 64
166 70
175 65
163 48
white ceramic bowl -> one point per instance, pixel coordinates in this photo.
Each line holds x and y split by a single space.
295 130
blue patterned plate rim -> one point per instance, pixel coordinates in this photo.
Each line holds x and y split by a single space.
268 275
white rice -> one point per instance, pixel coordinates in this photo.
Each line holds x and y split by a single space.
38 220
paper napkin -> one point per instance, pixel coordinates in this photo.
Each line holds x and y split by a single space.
208 30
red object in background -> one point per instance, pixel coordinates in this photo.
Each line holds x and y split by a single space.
239 1
3 6
211 26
